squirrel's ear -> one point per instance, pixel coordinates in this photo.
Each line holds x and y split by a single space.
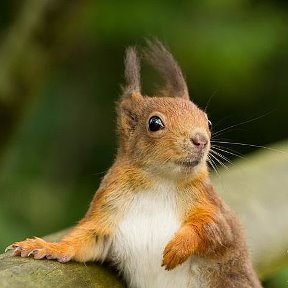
132 73
161 59
129 110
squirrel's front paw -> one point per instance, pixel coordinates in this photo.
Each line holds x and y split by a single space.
38 248
183 245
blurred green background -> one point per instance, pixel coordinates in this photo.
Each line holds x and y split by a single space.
60 74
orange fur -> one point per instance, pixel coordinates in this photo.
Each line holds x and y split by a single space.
117 190
191 238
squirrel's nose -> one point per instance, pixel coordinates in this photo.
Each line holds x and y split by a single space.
199 140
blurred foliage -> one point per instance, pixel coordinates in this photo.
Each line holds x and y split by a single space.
279 280
60 70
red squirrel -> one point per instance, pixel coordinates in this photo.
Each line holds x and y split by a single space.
156 215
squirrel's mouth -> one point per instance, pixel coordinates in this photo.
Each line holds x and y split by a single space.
189 163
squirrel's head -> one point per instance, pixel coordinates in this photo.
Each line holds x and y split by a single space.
167 133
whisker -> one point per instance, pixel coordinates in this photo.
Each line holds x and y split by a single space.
250 145
220 162
221 156
213 165
217 133
223 131
218 123
227 151
209 100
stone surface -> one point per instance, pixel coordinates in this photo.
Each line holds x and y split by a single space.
20 272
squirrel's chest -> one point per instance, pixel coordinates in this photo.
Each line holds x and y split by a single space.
150 221
138 245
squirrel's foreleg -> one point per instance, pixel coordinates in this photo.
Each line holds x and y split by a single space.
196 236
81 244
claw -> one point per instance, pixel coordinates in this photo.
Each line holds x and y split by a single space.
38 254
31 253
35 252
8 248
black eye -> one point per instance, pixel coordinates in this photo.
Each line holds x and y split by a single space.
209 125
155 124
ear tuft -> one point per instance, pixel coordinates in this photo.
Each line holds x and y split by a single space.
161 59
132 73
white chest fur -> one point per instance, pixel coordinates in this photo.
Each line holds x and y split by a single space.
138 245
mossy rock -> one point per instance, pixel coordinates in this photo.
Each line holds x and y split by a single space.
20 272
